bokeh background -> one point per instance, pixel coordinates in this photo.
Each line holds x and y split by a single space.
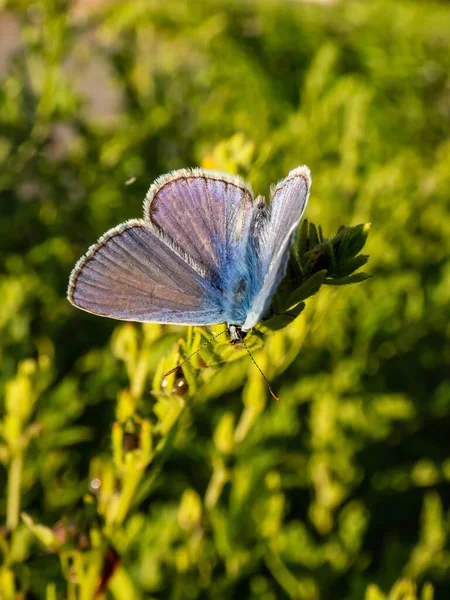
112 483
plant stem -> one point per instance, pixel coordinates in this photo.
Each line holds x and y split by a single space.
132 479
14 485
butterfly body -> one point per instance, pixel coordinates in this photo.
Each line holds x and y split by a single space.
205 252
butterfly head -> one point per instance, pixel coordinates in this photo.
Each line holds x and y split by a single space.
236 333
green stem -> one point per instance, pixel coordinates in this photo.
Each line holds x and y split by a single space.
216 485
132 479
284 577
71 591
122 586
14 485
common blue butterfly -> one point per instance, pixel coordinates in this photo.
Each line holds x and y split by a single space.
206 252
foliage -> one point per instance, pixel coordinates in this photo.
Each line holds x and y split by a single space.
121 482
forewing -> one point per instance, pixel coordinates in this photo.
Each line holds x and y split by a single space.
206 213
289 200
134 273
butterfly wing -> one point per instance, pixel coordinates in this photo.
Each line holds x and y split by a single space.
206 213
289 200
135 273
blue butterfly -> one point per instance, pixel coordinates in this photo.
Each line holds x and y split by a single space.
206 252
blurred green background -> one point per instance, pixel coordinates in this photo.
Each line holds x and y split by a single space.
212 490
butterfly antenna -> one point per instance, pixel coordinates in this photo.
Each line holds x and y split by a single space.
194 353
259 369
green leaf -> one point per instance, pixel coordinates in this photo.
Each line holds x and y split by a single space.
300 246
307 289
313 236
358 238
311 259
355 278
350 265
44 534
282 320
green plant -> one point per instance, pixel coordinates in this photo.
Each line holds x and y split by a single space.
198 486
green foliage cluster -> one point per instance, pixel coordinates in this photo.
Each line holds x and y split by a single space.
118 482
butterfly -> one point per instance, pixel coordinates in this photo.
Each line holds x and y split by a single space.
206 252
